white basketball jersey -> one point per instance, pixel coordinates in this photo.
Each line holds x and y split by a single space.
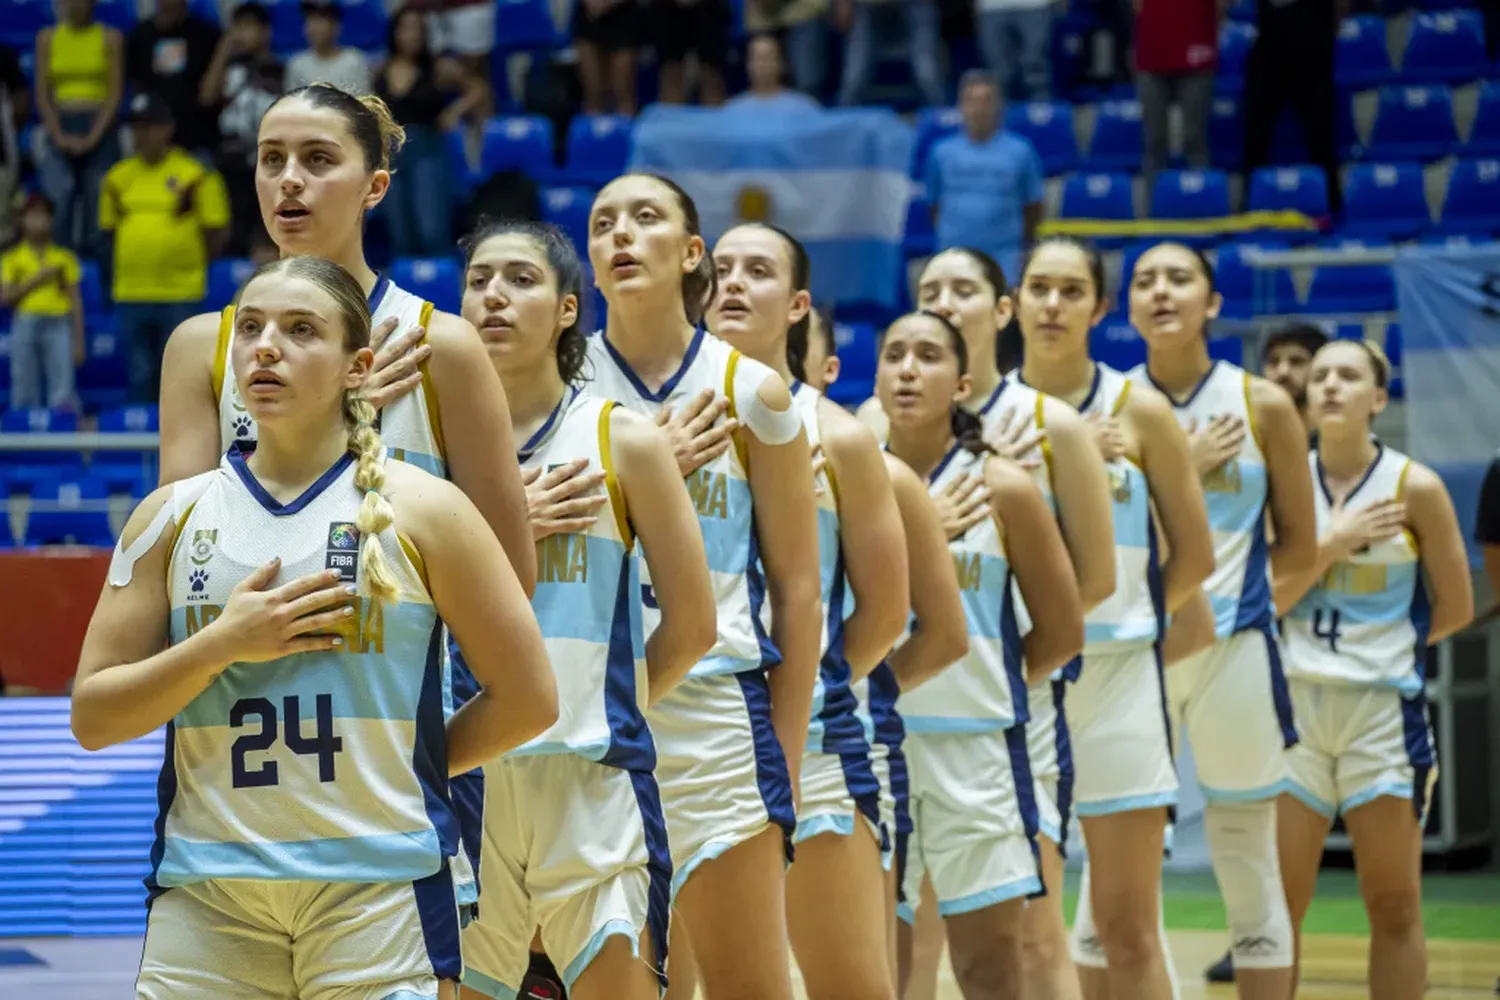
588 603
720 491
1132 615
327 766
986 690
835 724
1365 622
1014 396
1239 589
409 427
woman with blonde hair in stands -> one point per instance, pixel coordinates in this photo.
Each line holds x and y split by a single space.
323 162
283 616
1391 579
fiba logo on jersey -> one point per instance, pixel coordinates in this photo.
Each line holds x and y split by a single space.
204 540
343 550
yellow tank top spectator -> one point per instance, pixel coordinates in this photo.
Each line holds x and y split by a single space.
169 215
80 72
39 281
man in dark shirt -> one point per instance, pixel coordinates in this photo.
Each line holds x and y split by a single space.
168 55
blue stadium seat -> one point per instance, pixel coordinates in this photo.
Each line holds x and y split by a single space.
1128 258
1413 123
22 20
598 148
1049 127
1484 134
225 276
524 26
91 287
1355 288
1385 200
933 126
118 14
25 469
1445 47
1116 343
7 540
1253 291
364 25
517 142
856 349
1116 144
1298 189
71 511
101 379
436 279
1452 241
567 208
1226 132
1472 204
132 472
920 236
1362 58
1392 345
1098 196
1235 40
1190 194
1226 348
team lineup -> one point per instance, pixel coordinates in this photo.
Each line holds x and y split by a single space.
489 659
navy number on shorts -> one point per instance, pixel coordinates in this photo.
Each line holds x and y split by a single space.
648 597
1326 627
322 744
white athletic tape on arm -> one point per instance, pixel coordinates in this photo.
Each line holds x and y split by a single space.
769 426
183 496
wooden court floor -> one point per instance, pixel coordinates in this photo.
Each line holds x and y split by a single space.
1333 969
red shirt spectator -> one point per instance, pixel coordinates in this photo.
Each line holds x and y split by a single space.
1176 36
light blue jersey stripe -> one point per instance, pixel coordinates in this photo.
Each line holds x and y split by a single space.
380 858
582 607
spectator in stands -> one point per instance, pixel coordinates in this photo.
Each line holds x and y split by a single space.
243 80
1291 65
768 90
692 27
1015 37
428 96
859 19
607 34
15 108
985 183
464 29
39 281
80 71
170 54
169 214
1176 55
802 27
1287 360
325 60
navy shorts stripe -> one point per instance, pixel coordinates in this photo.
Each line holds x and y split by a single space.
1065 773
658 865
437 906
771 773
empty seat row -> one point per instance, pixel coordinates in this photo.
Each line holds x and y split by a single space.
1443 47
131 471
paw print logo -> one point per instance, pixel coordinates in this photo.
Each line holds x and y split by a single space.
197 579
242 427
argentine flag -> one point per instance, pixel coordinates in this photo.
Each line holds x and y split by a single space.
835 179
1449 303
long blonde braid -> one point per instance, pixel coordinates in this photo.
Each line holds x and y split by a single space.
375 512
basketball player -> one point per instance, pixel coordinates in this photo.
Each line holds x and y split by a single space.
574 833
1232 696
1284 361
1119 735
939 638
973 797
730 737
1391 580
763 279
283 616
323 162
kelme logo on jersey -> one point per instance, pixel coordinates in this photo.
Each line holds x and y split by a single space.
343 550
204 540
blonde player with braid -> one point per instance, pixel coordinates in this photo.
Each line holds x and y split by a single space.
324 161
282 616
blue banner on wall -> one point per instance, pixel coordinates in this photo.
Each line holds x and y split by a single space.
1449 301
835 179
